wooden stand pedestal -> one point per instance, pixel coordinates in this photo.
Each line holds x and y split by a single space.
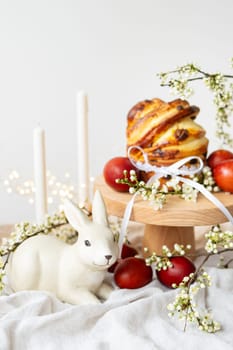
174 223
156 236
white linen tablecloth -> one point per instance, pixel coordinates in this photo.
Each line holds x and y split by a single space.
129 319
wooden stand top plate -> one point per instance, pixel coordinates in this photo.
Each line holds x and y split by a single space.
176 212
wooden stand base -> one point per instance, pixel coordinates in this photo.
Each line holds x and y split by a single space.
157 236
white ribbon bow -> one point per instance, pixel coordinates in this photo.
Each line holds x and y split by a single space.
174 170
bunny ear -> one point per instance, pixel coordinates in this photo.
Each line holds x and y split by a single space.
75 215
99 213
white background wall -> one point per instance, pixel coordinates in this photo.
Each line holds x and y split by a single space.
111 48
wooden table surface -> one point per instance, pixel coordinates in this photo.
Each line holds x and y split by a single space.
5 230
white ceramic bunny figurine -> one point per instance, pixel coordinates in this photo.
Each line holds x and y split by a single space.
74 273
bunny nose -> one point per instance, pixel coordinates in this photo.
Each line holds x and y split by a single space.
108 257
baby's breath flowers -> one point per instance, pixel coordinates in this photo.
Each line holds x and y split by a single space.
218 239
2 275
179 81
185 306
162 261
156 192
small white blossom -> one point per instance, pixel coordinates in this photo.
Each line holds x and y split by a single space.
132 190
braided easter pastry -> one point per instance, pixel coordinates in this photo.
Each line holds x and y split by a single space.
167 132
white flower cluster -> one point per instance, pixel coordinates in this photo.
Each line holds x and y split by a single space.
215 81
159 262
208 180
153 193
189 193
2 275
156 192
184 305
180 79
25 230
179 82
66 233
223 100
218 239
207 324
180 87
162 261
205 178
203 280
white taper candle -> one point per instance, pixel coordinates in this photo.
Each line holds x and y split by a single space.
82 148
40 174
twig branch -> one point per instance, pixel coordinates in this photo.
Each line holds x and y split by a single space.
195 275
226 265
34 234
178 80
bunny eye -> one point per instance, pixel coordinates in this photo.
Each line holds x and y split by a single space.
87 243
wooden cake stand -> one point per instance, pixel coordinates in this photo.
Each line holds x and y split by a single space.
174 223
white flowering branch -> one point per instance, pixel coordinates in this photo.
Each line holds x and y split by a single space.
179 81
184 306
157 192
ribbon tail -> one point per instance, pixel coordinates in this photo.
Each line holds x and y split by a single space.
125 222
209 196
